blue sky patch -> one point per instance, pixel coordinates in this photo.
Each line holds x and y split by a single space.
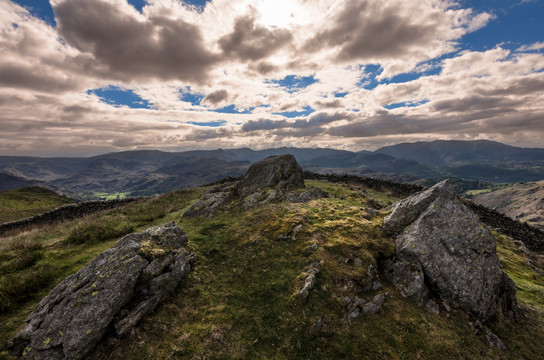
117 97
405 104
231 109
525 17
294 83
340 94
369 82
293 114
216 123
40 9
194 98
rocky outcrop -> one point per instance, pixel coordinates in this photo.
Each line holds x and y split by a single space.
445 255
264 182
211 202
280 172
313 193
110 294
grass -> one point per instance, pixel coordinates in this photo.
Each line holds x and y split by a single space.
240 301
27 202
33 261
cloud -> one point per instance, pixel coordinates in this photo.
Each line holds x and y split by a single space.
134 48
252 42
188 62
216 97
534 47
394 31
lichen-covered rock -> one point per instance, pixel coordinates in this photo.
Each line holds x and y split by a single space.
312 193
211 202
280 172
444 252
112 292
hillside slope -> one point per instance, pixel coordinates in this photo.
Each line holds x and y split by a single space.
240 300
524 202
28 201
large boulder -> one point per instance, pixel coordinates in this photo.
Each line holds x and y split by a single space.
279 172
110 294
264 182
444 254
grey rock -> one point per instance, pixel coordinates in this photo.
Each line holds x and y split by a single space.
372 307
265 181
132 278
312 193
494 341
280 172
210 203
443 251
309 282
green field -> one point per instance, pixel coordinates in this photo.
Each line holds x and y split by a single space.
110 196
28 201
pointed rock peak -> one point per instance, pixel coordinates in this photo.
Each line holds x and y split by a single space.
280 172
409 209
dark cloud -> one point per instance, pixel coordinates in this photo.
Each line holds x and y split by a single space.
314 121
372 29
263 67
264 124
202 135
332 104
249 41
131 48
216 97
524 86
475 103
35 78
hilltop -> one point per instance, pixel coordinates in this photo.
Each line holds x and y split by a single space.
280 271
28 201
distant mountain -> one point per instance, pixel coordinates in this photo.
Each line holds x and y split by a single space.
444 153
524 202
12 182
148 172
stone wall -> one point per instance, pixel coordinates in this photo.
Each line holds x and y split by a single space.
63 213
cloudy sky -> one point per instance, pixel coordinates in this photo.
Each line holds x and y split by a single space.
83 77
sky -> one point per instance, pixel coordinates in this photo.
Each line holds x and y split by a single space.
85 77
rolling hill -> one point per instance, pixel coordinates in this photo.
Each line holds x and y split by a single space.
28 201
524 202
